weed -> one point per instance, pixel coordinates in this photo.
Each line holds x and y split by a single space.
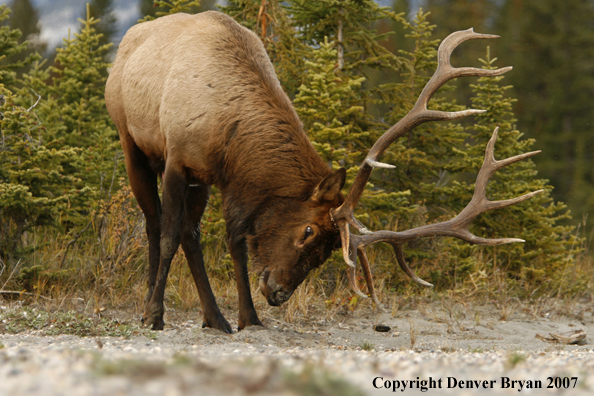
70 322
475 350
367 346
138 369
413 334
316 381
447 348
181 359
514 359
395 306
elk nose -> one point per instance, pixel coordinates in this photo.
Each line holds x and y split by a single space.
278 297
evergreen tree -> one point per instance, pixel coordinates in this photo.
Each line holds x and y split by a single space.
549 44
34 189
78 84
330 105
270 20
102 11
76 106
160 8
451 16
349 23
427 156
542 259
25 18
394 31
11 49
148 9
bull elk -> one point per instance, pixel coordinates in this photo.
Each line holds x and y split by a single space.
196 100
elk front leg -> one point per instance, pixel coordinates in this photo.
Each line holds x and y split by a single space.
174 191
195 202
247 312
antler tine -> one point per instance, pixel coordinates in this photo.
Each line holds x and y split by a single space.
345 239
351 276
491 165
368 277
402 262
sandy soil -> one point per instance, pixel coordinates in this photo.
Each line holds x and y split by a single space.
339 355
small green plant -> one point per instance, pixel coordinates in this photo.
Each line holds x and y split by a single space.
130 368
413 334
515 358
315 381
69 322
367 346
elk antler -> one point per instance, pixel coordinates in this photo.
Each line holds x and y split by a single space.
353 245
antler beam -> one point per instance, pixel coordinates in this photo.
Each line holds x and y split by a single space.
353 245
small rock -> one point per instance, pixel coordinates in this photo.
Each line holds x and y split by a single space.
381 328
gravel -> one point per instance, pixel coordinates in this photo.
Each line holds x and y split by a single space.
345 357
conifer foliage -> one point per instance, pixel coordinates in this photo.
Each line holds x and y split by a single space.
545 251
60 154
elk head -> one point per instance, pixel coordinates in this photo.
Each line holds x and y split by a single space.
292 237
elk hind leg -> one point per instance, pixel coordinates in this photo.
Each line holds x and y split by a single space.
144 184
174 191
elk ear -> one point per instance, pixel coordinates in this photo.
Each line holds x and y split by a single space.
330 186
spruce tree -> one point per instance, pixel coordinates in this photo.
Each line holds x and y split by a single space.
77 96
549 43
450 16
34 188
271 21
11 50
102 11
330 105
168 7
425 158
148 9
545 255
25 18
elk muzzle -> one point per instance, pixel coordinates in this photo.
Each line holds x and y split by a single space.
275 293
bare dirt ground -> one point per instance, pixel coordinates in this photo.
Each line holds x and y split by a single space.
435 348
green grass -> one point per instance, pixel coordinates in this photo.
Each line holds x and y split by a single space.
515 358
19 320
367 346
316 381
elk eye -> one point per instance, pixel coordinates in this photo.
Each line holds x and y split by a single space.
308 232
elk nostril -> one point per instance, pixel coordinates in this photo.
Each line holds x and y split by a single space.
280 296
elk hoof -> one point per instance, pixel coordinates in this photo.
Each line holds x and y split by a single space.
154 322
252 323
219 324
